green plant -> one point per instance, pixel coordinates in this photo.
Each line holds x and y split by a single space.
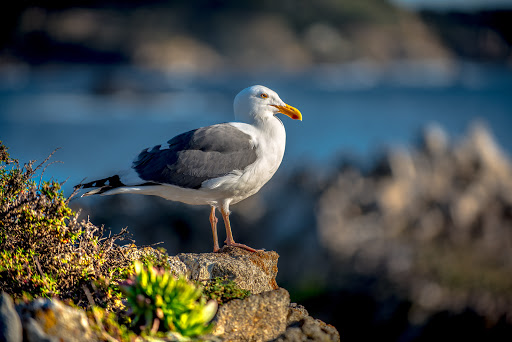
161 302
223 290
45 250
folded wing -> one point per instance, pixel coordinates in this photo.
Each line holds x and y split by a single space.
196 156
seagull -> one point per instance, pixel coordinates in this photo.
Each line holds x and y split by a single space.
217 165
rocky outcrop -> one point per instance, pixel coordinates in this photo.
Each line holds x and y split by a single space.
266 315
255 272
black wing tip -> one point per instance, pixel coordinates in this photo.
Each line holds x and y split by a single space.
102 185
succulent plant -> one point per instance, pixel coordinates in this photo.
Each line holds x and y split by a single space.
159 301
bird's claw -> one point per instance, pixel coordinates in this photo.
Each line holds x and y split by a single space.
240 245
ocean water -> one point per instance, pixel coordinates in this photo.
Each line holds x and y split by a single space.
101 117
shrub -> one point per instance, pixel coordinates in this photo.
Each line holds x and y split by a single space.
45 250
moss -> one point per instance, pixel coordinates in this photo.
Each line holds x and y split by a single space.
223 290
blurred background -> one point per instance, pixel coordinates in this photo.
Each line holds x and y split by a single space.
392 210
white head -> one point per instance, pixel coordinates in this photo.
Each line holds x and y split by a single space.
259 103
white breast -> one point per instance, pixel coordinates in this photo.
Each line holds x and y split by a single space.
269 142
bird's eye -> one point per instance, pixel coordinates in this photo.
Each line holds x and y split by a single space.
264 95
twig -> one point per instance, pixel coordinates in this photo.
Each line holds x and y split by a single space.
42 172
41 272
46 160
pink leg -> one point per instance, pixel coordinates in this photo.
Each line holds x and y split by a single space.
213 222
229 236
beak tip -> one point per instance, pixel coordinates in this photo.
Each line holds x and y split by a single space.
289 111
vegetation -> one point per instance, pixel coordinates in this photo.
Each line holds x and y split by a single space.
223 290
46 251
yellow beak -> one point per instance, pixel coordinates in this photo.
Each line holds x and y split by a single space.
290 111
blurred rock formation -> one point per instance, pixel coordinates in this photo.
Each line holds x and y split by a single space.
435 220
199 37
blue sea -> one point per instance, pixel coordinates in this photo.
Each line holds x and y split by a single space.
101 117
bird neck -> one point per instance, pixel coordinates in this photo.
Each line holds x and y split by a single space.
272 126
273 140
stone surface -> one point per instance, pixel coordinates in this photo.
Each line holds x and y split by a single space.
260 317
10 324
255 272
296 312
50 320
311 330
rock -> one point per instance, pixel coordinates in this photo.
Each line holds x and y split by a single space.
178 267
302 327
309 329
296 312
260 317
10 324
251 271
34 332
50 320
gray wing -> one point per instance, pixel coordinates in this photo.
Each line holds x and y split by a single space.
196 156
